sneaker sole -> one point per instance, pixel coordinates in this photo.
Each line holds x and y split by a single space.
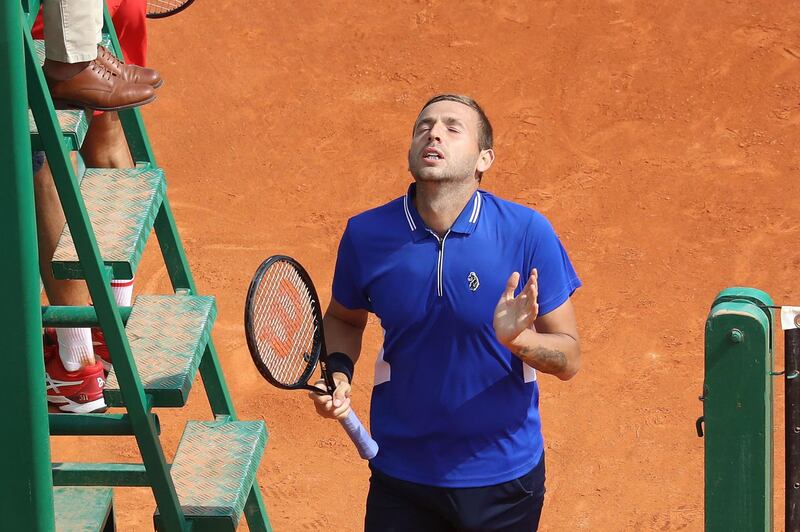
71 407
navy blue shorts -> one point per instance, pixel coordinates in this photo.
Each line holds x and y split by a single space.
398 506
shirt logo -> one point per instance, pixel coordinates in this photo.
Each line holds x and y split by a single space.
473 281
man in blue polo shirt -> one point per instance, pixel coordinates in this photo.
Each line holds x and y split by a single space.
455 403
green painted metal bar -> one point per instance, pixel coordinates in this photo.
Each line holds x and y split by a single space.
172 250
100 474
214 383
131 119
95 424
737 411
255 511
31 8
75 212
55 316
26 492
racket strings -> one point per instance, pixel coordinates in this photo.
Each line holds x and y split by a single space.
272 313
295 338
284 324
280 347
155 7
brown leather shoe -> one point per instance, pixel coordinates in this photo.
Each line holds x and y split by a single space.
134 73
97 87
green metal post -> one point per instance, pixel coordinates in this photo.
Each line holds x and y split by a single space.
26 492
737 412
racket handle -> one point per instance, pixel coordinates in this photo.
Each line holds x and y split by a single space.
367 448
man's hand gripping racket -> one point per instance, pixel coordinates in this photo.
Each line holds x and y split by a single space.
283 326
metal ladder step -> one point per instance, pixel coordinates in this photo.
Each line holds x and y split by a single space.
122 205
214 468
167 335
74 123
84 509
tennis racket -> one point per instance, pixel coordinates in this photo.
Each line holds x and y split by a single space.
283 327
166 8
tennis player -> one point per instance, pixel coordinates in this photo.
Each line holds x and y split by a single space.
473 293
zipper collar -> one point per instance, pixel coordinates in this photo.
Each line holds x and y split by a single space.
466 222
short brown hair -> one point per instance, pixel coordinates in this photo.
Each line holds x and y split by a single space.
485 136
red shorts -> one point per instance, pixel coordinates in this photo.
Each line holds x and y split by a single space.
129 21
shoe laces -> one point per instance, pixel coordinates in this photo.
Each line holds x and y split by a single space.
102 70
111 58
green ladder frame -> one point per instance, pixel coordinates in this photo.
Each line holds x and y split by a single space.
26 496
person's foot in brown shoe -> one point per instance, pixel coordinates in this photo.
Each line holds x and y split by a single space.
95 86
133 73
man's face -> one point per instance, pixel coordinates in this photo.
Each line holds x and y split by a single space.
444 145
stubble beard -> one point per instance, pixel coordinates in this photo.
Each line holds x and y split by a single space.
429 174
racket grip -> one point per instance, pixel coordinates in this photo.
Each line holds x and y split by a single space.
367 448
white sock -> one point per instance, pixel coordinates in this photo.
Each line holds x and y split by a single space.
75 347
123 290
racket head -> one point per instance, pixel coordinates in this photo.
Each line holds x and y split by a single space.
283 323
166 8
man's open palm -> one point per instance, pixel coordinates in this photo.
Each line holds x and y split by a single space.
512 315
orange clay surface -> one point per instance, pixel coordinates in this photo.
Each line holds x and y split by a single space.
661 139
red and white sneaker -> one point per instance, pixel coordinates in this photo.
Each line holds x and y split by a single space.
76 392
101 348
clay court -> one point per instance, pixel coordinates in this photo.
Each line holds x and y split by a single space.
661 140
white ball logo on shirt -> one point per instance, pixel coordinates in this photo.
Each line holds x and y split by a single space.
473 281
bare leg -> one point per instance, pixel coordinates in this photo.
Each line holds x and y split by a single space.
49 224
105 145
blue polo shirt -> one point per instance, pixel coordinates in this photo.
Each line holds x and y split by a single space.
451 406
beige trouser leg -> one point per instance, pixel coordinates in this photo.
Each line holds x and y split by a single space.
72 29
